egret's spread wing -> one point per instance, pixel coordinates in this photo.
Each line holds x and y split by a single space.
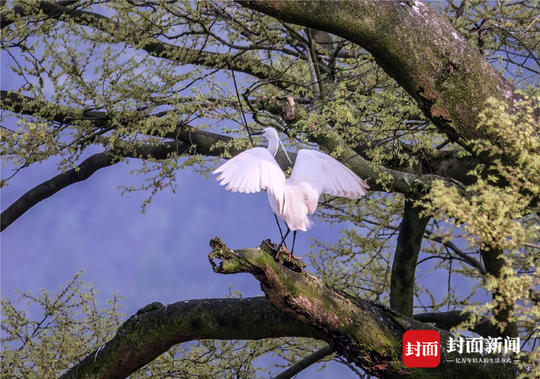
326 175
251 171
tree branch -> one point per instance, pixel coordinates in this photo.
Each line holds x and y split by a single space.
467 258
156 328
21 104
241 61
7 18
305 363
421 50
409 243
451 319
83 172
378 177
363 332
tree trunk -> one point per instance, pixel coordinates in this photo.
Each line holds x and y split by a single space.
409 242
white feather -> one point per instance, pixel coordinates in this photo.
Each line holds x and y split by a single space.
291 199
252 171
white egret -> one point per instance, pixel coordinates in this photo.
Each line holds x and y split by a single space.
294 198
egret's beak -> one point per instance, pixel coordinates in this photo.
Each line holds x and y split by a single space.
258 133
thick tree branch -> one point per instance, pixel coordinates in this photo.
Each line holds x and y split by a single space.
446 163
451 319
446 75
409 243
156 328
21 104
7 18
363 332
377 176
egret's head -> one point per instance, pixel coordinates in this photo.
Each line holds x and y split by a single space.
269 133
272 136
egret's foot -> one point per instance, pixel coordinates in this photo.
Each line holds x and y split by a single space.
282 248
286 259
286 251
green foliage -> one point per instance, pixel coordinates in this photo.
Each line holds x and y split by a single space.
493 209
73 325
495 212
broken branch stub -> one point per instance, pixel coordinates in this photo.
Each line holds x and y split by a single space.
350 328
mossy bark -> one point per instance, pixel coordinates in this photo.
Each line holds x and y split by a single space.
157 327
363 332
449 79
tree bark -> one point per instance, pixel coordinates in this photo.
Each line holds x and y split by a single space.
365 333
156 328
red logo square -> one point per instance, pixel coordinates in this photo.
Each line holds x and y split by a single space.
421 348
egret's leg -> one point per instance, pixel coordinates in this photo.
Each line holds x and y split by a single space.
279 227
282 242
293 241
285 236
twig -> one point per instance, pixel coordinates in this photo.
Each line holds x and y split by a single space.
240 102
305 363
